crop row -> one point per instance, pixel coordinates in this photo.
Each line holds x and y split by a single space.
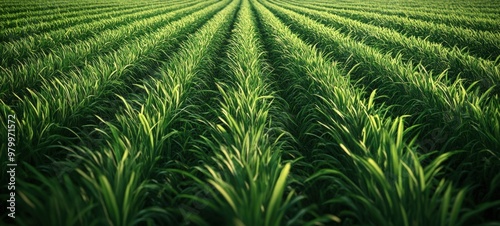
15 33
120 182
367 163
464 6
15 10
43 67
250 112
38 45
57 16
463 117
65 104
245 171
433 56
446 13
460 18
483 44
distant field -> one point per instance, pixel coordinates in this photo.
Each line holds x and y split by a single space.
250 112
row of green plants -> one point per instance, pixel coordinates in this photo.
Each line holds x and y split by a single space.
15 7
243 174
486 6
483 44
105 180
35 46
60 61
251 112
56 15
363 164
466 118
431 92
151 118
433 56
58 113
453 17
408 86
17 32
12 10
28 16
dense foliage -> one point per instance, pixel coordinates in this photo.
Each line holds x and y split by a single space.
250 112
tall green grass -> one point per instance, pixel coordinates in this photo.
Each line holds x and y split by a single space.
469 17
59 61
63 105
251 112
115 177
464 115
245 175
478 43
15 33
367 171
37 46
434 57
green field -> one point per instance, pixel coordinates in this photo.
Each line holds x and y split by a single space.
250 112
